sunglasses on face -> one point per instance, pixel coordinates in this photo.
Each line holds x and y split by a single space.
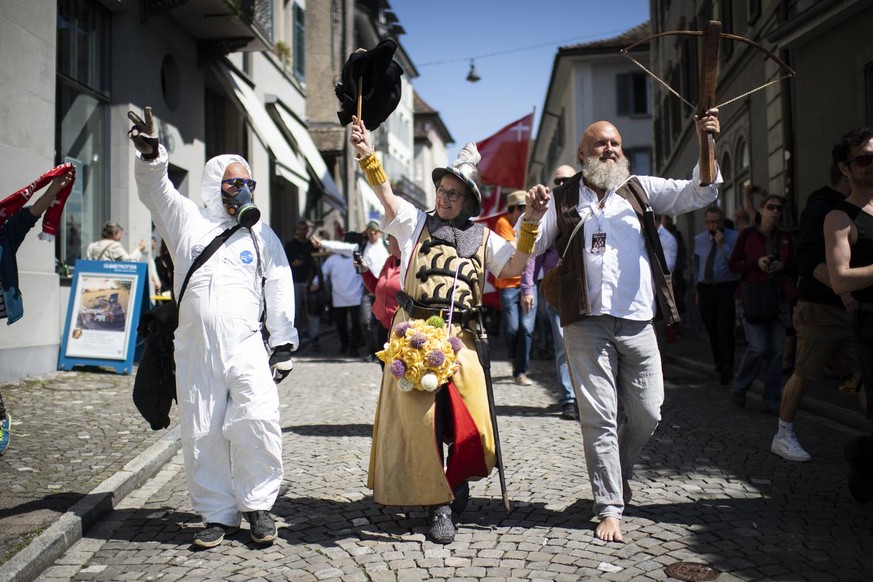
862 161
238 183
511 209
450 195
560 181
774 207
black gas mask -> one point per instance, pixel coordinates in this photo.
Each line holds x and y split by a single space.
241 206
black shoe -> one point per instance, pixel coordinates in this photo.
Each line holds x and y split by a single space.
213 534
739 399
569 411
442 530
462 497
261 526
860 470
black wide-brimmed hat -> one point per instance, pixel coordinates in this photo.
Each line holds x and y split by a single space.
380 77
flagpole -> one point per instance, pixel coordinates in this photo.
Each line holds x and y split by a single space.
527 157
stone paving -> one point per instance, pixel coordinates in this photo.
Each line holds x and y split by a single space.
706 490
70 432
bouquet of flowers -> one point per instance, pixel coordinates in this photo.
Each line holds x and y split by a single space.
420 354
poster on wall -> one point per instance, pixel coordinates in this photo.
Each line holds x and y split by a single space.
106 300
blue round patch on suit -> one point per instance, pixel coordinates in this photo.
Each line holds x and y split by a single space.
246 257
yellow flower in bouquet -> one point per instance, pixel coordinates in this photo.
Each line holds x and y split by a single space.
420 354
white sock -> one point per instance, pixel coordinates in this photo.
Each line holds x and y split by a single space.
785 428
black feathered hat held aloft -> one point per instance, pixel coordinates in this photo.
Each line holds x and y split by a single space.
380 78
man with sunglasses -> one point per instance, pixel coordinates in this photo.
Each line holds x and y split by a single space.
848 233
517 303
822 320
563 173
225 376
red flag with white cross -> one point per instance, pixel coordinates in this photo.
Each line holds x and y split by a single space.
504 154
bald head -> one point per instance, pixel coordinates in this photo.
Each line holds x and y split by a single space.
603 163
602 140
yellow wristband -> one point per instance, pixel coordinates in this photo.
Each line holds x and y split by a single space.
373 170
527 237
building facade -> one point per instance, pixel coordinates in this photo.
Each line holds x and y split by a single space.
780 137
592 82
208 69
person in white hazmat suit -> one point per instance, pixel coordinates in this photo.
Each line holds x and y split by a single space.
228 399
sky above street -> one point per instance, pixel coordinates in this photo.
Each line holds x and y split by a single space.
442 37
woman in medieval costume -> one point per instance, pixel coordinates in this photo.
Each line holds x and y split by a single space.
444 256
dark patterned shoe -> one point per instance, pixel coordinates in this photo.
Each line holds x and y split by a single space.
569 411
261 526
462 497
213 534
442 530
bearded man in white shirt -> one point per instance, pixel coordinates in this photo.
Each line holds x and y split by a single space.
612 274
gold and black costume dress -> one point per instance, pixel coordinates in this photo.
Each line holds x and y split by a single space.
406 466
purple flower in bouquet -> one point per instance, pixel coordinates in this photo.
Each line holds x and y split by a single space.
398 368
456 344
435 358
417 340
401 328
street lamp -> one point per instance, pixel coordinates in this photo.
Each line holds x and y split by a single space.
472 76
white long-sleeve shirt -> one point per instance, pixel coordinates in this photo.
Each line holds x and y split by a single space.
410 221
346 286
619 279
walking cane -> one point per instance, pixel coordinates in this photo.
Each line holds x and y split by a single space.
485 361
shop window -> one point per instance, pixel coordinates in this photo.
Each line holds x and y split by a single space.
634 92
81 123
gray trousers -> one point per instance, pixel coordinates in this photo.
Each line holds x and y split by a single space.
615 366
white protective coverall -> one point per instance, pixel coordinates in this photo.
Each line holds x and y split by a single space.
228 402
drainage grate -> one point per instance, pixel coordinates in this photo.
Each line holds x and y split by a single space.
691 571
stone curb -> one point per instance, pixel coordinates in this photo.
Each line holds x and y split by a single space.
66 531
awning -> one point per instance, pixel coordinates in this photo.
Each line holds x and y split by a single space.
288 163
373 209
307 147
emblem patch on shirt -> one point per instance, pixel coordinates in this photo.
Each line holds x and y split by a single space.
246 257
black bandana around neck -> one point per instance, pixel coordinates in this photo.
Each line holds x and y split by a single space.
460 232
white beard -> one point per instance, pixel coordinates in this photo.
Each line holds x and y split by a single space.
605 175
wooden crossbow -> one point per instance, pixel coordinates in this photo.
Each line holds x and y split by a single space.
711 34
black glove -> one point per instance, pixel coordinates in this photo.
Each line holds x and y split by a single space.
143 134
280 362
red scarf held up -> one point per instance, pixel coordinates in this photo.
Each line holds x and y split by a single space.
12 204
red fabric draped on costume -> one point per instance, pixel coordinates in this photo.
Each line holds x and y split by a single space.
467 459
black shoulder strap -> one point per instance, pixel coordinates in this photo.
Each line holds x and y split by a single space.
204 256
636 195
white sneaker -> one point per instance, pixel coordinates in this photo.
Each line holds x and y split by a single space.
789 448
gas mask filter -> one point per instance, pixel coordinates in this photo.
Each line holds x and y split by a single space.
241 207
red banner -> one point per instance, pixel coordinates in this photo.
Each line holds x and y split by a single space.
504 154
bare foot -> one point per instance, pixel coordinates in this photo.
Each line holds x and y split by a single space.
627 492
608 530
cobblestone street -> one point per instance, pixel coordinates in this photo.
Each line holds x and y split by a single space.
706 490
